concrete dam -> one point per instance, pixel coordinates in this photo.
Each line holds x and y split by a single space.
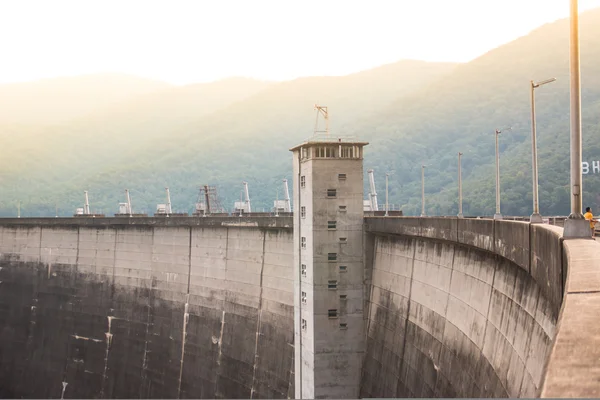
324 304
155 308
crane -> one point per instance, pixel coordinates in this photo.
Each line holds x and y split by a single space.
325 113
373 193
86 206
169 211
286 191
247 197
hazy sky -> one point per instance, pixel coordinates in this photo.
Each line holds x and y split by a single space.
197 41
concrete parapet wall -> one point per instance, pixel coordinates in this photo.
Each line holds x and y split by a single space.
146 308
461 307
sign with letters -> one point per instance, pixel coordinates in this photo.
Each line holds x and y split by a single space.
585 167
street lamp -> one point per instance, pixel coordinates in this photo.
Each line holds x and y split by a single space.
498 215
460 211
575 226
423 190
535 218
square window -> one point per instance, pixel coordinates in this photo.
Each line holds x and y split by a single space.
342 177
332 313
331 256
331 224
302 181
331 284
303 297
343 326
303 242
303 269
342 208
303 324
343 240
331 193
343 268
302 212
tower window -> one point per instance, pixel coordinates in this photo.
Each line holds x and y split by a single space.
302 181
331 284
343 297
331 193
303 242
342 208
343 268
343 326
303 212
342 177
331 224
332 313
303 297
303 269
303 324
331 256
343 240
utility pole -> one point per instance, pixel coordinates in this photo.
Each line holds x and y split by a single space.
575 226
498 215
19 210
460 210
422 190
535 218
386 195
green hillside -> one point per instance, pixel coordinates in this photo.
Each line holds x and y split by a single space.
411 112
152 147
461 112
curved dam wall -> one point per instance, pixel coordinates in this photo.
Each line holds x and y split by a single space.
146 308
460 307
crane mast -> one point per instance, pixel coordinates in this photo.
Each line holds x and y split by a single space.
247 197
128 202
373 193
168 210
286 191
86 207
322 111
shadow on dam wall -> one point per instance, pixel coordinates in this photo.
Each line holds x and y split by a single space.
120 311
460 308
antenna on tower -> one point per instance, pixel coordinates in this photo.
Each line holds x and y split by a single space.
325 113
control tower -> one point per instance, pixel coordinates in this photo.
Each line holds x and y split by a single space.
328 263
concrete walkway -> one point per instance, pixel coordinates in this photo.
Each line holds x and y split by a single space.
574 365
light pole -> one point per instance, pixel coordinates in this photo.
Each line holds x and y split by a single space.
535 218
497 215
423 190
386 194
460 211
575 226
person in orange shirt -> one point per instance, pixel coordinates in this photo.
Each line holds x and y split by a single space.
590 217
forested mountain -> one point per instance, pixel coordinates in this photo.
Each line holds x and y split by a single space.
462 111
411 112
182 144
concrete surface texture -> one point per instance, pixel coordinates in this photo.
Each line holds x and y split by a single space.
460 308
146 311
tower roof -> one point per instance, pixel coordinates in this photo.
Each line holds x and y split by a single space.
329 140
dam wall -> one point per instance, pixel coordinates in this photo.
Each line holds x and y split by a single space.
460 307
146 308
